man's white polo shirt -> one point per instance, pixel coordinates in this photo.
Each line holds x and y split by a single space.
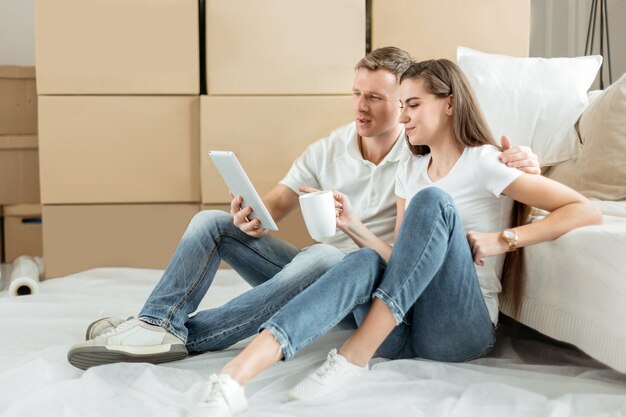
336 163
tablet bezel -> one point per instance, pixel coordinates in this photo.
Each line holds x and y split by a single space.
238 183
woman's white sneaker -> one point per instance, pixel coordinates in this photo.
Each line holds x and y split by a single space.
335 373
131 341
223 398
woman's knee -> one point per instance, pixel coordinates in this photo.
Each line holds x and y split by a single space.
431 196
366 259
429 203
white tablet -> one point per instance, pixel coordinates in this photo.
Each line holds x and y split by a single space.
239 184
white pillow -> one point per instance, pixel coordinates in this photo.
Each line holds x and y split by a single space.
535 101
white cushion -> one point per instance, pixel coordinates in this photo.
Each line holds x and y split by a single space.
599 171
535 101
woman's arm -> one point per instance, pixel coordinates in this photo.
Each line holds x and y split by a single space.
352 226
568 208
400 209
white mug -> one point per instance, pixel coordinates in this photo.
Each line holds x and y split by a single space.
318 210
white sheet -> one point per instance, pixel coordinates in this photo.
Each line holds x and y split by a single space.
523 377
576 287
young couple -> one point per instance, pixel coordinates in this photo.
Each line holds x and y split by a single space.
423 297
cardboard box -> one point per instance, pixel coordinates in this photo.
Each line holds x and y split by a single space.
117 47
1 244
22 231
19 169
126 149
291 228
434 29
283 46
266 133
18 100
76 238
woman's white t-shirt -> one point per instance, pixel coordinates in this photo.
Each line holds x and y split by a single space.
475 183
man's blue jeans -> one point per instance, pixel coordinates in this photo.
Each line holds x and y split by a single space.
430 286
276 269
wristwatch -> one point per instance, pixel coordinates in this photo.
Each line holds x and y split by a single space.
510 236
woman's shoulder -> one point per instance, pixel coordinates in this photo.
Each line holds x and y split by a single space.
484 150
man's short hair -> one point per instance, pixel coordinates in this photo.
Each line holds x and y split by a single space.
390 58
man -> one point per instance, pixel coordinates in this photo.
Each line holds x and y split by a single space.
359 159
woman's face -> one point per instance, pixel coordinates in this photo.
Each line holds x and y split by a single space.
426 117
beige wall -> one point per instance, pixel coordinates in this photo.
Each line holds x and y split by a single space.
17 32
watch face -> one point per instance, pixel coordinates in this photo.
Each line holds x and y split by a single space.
508 234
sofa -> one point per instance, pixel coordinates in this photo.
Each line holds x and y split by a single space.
575 288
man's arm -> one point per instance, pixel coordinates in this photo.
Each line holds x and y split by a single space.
520 157
280 201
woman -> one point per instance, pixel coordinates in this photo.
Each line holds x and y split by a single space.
424 297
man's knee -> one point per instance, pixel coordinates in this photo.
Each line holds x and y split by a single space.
320 256
210 221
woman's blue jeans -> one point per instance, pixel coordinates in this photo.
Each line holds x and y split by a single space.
429 285
276 269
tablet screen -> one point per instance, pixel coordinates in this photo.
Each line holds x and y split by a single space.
239 184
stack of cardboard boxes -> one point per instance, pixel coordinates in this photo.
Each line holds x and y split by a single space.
20 211
124 131
279 76
434 29
118 101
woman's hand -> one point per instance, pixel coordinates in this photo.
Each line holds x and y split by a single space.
486 244
343 210
343 207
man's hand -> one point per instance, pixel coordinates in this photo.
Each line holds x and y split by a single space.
242 220
520 157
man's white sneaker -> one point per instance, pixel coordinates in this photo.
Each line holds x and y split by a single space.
335 373
224 398
103 325
131 341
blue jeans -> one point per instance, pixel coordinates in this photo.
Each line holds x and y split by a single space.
276 269
429 285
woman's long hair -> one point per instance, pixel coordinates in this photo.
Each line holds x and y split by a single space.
444 79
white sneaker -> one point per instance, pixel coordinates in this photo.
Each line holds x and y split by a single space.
103 325
131 341
328 378
224 398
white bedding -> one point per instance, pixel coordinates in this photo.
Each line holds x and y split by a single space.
576 287
522 377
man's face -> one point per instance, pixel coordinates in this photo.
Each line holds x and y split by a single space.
376 102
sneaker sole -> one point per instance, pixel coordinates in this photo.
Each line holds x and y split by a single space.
89 356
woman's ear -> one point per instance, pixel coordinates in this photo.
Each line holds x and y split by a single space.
449 107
